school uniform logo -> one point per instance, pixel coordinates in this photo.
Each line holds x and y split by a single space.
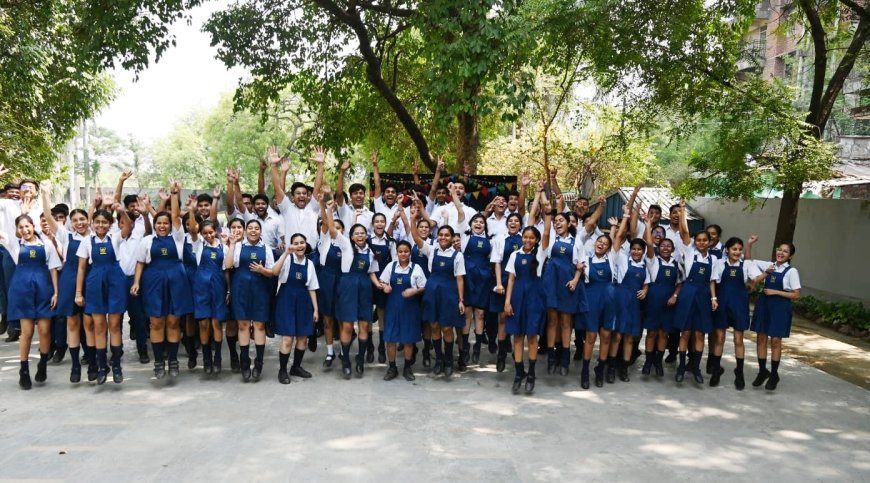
480 244
702 270
214 255
516 247
361 265
399 281
164 252
524 261
637 275
32 253
298 275
667 272
600 272
733 272
103 251
562 250
253 256
773 279
440 264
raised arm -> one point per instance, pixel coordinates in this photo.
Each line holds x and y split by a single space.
319 157
192 225
216 199
436 177
328 224
261 172
279 263
647 237
684 225
231 193
175 209
525 181
557 191
533 210
460 213
376 171
415 234
548 221
621 232
45 187
415 172
275 160
339 184
124 221
119 188
146 209
592 221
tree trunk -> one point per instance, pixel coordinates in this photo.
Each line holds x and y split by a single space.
468 142
787 220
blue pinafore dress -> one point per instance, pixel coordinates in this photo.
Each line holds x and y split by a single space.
733 300
479 280
294 314
329 280
600 293
210 286
251 291
30 288
772 312
658 315
694 309
629 314
354 301
419 259
402 314
511 244
527 298
383 257
441 298
106 284
165 289
66 281
558 272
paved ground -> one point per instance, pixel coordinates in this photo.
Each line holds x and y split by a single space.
814 427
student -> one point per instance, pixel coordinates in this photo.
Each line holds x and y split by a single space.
356 210
524 300
384 248
731 275
295 305
105 289
329 280
694 312
354 304
715 233
565 295
32 294
236 229
502 249
632 281
165 289
479 283
68 242
664 290
250 294
210 291
601 317
421 229
403 282
773 312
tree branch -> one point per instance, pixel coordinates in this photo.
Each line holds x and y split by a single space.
387 9
861 11
820 63
835 84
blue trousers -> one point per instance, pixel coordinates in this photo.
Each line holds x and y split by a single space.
138 320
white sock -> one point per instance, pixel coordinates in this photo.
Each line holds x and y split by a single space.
330 350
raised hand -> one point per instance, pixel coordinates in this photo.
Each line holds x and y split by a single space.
3 170
752 239
216 192
163 194
415 168
262 164
319 155
125 175
602 201
440 163
345 166
45 187
272 155
374 158
526 179
613 221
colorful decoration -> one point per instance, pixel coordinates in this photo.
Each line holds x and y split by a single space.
479 190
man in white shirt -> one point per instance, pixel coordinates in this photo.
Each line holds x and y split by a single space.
496 221
450 213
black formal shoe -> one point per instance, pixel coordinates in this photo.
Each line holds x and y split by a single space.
173 369
461 365
13 336
207 367
578 354
191 361
382 354
448 368
24 379
246 374
500 363
699 377
427 359
599 376
563 370
283 377
346 370
117 375
623 371
216 366
257 372
312 344
492 346
298 371
438 368
360 365
75 374
465 355
739 382
772 382
681 373
717 374
41 371
92 373
584 379
327 363
102 374
611 374
671 358
408 373
413 356
159 370
551 363
59 354
530 384
709 365
647 366
143 357
475 356
234 363
518 383
392 373
760 378
660 369
370 354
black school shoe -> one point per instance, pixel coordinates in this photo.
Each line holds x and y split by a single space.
258 371
611 374
143 357
717 374
599 376
327 363
461 364
739 382
427 358
75 374
448 368
24 379
173 369
59 354
760 378
500 363
13 336
234 363
584 378
530 384
392 373
102 375
772 382
438 368
298 371
360 365
408 373
623 371
283 377
370 353
518 383
159 370
41 371
117 375
346 370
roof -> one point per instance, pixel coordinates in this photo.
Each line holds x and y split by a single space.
653 196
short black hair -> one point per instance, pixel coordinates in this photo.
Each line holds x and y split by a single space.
715 227
389 185
129 199
260 196
356 187
248 196
60 208
204 197
295 186
11 186
654 207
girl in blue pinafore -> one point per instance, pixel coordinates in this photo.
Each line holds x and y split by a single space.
210 293
773 312
664 290
479 283
384 248
354 304
105 288
565 295
524 301
236 229
162 281
250 294
423 229
601 317
732 277
694 312
32 294
329 281
443 304
403 282
632 285
295 306
501 252
189 326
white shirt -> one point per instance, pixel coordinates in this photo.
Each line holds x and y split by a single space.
388 212
128 254
496 226
449 210
15 245
237 254
418 279
458 262
145 245
347 213
498 248
311 283
347 254
588 239
86 246
722 264
298 220
792 280
610 258
622 264
654 264
512 261
578 254
63 239
690 254
200 243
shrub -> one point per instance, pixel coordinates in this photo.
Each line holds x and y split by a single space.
850 314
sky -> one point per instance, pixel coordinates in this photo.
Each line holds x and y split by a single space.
188 77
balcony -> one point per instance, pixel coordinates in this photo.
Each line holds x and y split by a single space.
752 58
762 10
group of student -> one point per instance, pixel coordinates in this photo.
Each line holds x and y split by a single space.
316 261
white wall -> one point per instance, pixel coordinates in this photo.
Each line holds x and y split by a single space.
832 241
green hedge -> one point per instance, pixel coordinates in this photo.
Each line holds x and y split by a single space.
850 314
